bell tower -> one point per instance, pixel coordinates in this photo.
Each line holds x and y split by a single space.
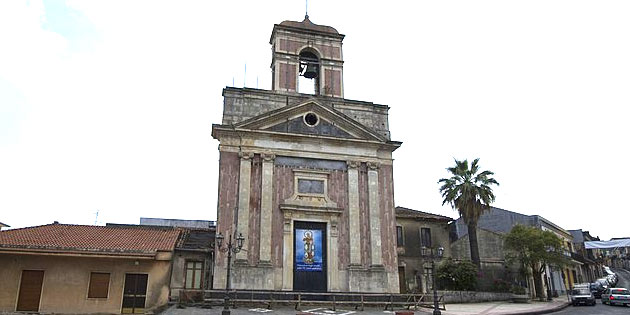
309 50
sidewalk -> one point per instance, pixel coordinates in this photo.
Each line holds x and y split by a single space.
487 308
497 308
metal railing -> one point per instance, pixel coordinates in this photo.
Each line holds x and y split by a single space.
333 300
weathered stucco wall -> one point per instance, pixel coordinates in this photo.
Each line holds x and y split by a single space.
226 204
491 247
388 218
66 280
409 254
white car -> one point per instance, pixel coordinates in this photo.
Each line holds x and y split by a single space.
614 296
582 295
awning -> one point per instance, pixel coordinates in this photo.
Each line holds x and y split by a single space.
608 244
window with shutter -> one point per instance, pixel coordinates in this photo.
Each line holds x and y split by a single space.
99 285
194 271
425 237
399 236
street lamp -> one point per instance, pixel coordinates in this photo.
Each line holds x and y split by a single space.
229 248
428 253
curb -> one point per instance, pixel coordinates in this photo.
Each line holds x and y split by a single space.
545 311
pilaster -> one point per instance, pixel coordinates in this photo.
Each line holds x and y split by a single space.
265 208
375 213
354 217
333 268
245 173
287 263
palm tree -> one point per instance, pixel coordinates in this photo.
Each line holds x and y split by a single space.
468 191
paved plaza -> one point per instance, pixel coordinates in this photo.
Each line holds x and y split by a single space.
488 308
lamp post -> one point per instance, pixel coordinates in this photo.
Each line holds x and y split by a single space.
428 253
229 248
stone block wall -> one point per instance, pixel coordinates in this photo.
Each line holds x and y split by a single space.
244 103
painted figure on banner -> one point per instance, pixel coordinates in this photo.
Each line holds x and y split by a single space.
309 247
308 250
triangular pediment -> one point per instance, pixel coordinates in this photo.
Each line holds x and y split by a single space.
310 118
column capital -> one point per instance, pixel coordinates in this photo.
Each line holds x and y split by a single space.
373 165
268 157
353 164
246 155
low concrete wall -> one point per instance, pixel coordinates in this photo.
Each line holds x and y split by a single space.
473 296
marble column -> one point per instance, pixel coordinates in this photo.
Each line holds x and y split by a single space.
244 181
375 213
265 209
354 218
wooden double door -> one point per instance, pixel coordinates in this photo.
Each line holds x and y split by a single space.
134 293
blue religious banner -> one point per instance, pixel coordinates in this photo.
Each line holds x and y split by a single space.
308 250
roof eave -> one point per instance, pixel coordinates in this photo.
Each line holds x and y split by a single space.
76 253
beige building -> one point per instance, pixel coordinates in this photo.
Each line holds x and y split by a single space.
307 179
415 229
60 268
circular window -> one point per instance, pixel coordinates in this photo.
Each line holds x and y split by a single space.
311 119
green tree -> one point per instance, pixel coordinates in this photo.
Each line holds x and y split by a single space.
459 276
535 249
469 192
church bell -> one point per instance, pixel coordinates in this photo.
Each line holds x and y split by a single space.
311 70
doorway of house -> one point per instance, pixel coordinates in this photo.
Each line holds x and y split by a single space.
135 293
30 290
310 259
402 282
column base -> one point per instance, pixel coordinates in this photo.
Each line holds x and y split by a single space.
264 264
378 268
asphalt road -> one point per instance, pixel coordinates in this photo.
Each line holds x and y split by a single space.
624 282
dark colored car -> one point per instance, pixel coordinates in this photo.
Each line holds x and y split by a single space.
597 289
603 282
582 296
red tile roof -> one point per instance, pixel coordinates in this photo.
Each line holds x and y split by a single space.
90 238
402 212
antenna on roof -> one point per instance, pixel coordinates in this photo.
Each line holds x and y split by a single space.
96 218
245 76
306 15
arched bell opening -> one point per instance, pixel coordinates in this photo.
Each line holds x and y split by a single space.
309 72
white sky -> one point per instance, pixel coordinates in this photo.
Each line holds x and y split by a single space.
108 104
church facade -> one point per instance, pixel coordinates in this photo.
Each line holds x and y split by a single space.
306 179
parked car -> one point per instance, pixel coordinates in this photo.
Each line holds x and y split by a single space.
582 295
616 296
597 288
609 272
603 282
